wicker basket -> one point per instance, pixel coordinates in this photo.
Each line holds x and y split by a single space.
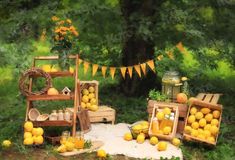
33 114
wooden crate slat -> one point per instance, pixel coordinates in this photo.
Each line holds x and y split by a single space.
57 74
208 98
52 123
215 98
200 96
50 97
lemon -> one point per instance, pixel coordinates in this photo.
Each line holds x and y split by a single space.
69 146
200 131
214 130
207 127
140 138
54 69
195 125
93 101
28 141
144 123
167 130
201 136
83 105
137 128
71 69
91 95
199 115
101 153
85 98
202 122
88 105
209 117
38 140
27 135
162 146
37 131
160 116
85 92
91 89
193 110
214 122
153 140
52 91
175 142
205 110
128 136
194 133
28 126
40 131
207 133
61 148
210 139
191 119
187 129
216 114
94 108
46 68
6 143
167 110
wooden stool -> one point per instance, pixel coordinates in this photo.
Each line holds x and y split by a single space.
104 114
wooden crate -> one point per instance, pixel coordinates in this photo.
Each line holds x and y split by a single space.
174 128
183 110
86 85
202 104
208 97
104 114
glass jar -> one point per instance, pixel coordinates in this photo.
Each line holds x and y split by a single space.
67 115
155 126
64 137
53 116
171 77
60 115
79 141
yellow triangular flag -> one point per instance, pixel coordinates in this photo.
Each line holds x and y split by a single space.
86 66
80 61
103 69
143 67
130 71
94 69
151 65
180 47
137 68
123 71
112 71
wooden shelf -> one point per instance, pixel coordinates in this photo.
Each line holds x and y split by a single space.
46 97
57 74
52 123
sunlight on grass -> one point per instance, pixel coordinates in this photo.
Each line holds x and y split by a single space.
6 74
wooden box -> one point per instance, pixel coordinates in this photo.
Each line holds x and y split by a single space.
103 114
86 85
175 123
202 104
183 110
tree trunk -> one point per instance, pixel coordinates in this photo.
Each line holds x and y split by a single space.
137 49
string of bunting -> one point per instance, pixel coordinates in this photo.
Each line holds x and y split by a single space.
129 69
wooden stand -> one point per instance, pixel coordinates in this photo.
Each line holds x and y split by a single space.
73 96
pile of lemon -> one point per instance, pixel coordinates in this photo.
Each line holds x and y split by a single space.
70 144
203 123
89 100
32 135
161 115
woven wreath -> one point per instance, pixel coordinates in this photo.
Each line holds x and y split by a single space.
24 81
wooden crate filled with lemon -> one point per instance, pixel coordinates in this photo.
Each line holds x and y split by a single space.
203 122
164 122
89 95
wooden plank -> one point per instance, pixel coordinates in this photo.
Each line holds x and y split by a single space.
84 120
95 146
200 96
57 74
208 98
180 127
50 97
52 57
52 123
215 98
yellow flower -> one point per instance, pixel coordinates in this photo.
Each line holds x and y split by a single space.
72 28
69 21
184 78
75 33
54 18
57 30
160 57
60 22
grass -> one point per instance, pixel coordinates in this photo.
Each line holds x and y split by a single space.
13 106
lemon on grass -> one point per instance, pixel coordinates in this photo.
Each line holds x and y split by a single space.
191 119
6 143
216 114
214 122
194 132
128 136
153 140
195 125
214 130
160 116
167 130
199 115
202 122
187 129
209 117
207 127
205 110
162 146
167 111
193 110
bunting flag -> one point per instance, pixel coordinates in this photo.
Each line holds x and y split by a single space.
180 47
94 69
137 69
143 67
130 68
151 65
103 70
80 61
170 55
112 71
123 71
86 66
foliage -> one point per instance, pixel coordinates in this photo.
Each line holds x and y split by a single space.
156 95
